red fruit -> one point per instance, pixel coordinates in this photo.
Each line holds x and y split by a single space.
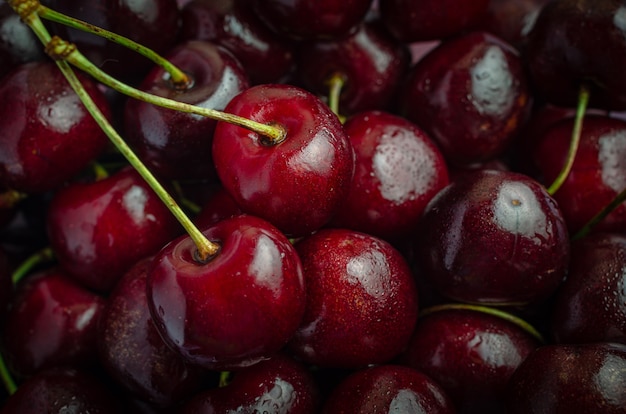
46 134
237 309
298 183
361 303
98 230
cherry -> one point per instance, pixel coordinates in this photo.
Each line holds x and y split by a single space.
398 171
471 95
306 19
598 173
277 385
219 206
296 182
493 237
589 306
175 144
369 61
361 303
232 24
53 321
470 354
562 52
418 20
46 136
63 390
98 230
132 351
387 389
152 23
238 308
568 378
18 43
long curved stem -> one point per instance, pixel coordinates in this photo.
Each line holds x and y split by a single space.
619 199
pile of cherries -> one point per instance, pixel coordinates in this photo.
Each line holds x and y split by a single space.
298 206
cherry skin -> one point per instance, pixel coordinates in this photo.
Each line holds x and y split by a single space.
419 20
361 303
471 95
278 385
46 135
238 308
386 389
399 169
298 183
267 57
311 19
219 206
568 378
174 144
371 62
493 237
589 306
471 354
98 230
598 174
563 52
53 322
18 44
132 351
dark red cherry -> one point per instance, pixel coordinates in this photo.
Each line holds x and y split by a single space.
98 230
564 51
417 20
46 134
387 389
398 171
370 61
598 173
63 390
132 351
493 237
361 302
267 56
470 94
53 321
298 183
152 23
567 378
18 43
589 306
240 307
278 385
470 354
309 19
219 206
175 144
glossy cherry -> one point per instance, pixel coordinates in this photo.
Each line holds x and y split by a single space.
98 230
175 144
361 303
399 169
46 135
18 44
493 237
471 95
470 354
237 309
298 183
53 321
386 389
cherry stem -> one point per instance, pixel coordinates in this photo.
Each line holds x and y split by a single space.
619 199
336 83
206 248
179 78
42 256
490 311
7 379
583 102
99 171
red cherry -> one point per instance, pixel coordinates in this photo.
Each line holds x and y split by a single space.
235 310
296 184
98 230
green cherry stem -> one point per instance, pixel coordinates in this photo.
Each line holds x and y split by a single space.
619 199
583 102
178 78
335 84
490 311
42 256
7 379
